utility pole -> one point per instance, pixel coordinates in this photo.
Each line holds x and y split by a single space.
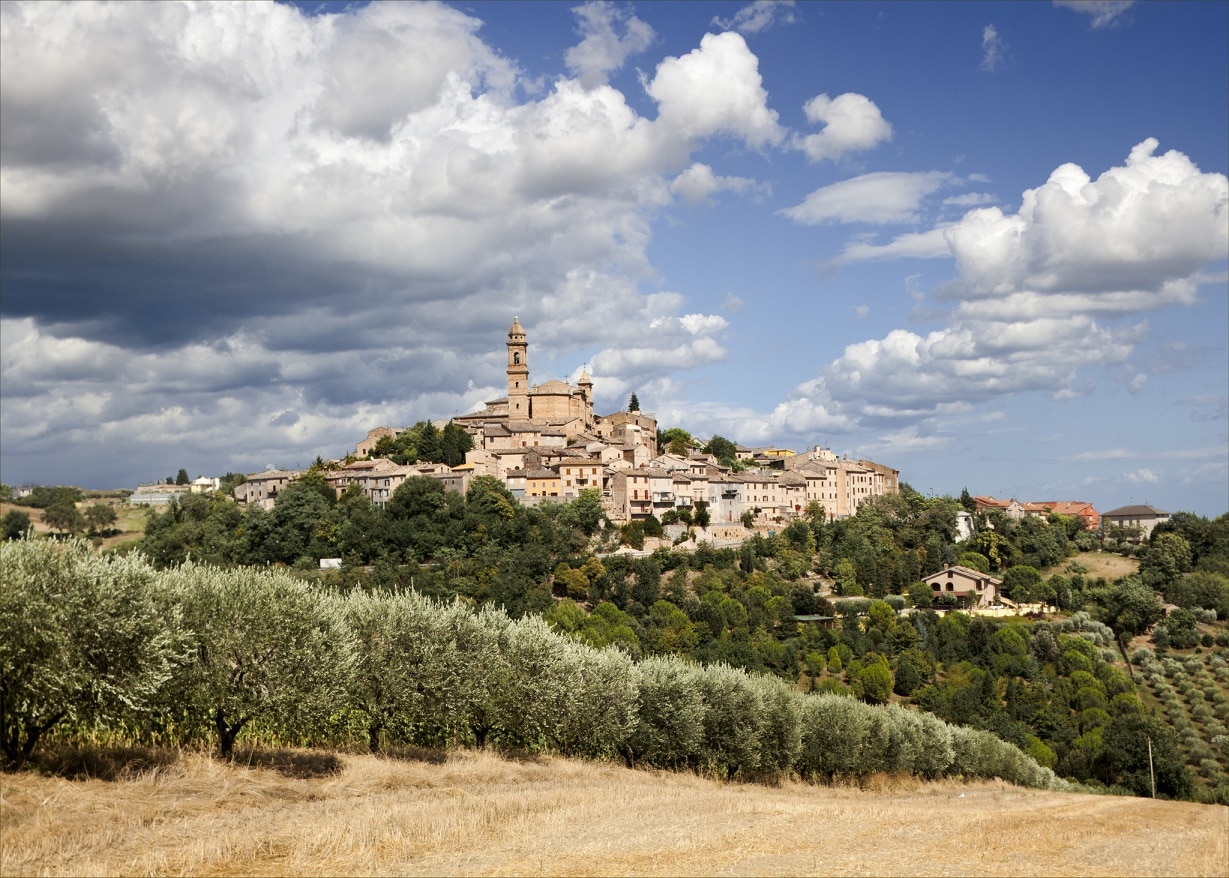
1151 773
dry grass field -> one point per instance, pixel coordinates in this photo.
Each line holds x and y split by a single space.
473 813
129 525
36 516
1096 564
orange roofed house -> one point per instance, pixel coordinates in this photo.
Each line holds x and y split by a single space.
1013 508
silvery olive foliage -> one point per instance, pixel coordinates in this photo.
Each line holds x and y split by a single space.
670 709
422 670
267 649
95 640
84 641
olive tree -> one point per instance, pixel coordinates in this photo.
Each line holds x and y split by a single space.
421 668
602 709
83 640
780 724
841 737
732 721
266 647
670 711
532 707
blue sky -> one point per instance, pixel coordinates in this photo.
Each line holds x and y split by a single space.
985 244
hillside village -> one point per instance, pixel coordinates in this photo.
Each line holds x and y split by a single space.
546 444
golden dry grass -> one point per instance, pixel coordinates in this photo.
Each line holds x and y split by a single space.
476 814
36 516
1097 564
128 527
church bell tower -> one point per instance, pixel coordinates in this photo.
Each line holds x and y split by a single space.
518 373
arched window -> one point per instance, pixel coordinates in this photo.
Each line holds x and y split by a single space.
516 359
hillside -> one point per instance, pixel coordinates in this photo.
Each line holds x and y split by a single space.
473 813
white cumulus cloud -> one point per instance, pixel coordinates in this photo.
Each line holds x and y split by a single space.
698 184
851 122
716 89
1042 295
611 35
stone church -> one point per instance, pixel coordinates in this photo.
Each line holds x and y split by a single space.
555 405
553 414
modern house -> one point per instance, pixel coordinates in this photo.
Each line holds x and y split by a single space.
1140 519
971 588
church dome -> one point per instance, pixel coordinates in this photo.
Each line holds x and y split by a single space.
554 386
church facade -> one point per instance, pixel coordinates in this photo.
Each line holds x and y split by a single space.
554 407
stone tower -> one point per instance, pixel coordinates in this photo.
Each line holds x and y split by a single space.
518 373
586 397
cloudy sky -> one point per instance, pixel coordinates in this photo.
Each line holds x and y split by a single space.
983 243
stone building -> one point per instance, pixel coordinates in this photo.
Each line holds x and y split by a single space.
551 413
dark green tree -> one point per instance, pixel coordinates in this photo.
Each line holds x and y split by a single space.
100 516
967 503
676 440
425 518
14 524
1127 740
1130 607
633 404
64 516
723 449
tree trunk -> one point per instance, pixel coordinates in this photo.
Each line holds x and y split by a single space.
16 751
373 738
227 732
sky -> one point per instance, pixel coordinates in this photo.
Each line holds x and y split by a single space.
983 243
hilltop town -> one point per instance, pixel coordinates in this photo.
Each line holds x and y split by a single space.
545 443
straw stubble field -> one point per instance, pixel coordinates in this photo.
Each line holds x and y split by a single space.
476 814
